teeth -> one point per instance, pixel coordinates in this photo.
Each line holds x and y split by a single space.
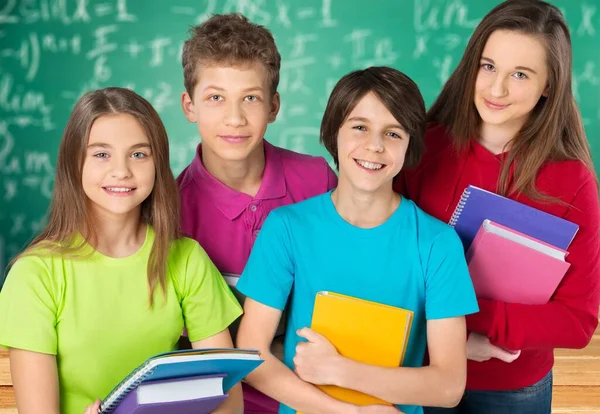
369 165
119 189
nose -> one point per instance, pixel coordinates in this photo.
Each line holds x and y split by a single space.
121 169
374 142
499 89
235 115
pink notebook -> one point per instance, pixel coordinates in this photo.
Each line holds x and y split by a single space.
512 267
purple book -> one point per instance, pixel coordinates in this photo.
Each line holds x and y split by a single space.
476 205
229 365
194 395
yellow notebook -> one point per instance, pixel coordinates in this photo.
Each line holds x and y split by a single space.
363 331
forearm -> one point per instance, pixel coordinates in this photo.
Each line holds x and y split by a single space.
423 386
35 382
234 404
276 380
518 327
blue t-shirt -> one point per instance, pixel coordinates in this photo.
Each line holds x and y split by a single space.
412 261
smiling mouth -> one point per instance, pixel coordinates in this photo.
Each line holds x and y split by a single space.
119 190
494 105
368 165
234 138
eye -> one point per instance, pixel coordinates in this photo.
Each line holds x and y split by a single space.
101 155
520 75
215 98
394 135
360 127
139 155
251 98
487 67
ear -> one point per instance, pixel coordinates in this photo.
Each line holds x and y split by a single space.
187 104
275 105
545 93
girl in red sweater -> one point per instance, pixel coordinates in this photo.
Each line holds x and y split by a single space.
506 121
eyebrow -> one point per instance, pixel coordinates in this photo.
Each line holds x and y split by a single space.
104 145
250 89
361 119
516 67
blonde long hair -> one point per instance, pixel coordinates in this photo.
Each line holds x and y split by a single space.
69 215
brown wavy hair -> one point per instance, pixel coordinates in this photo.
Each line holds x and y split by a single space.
554 131
69 215
229 39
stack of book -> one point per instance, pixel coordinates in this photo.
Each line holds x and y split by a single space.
516 253
184 382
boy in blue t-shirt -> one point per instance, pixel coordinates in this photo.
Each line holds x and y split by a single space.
362 240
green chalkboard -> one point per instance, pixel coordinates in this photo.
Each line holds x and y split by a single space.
51 51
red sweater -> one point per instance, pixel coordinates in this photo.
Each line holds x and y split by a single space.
570 318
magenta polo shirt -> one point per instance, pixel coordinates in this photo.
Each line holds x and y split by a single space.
226 222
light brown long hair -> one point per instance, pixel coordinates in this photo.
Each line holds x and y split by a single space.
554 130
69 215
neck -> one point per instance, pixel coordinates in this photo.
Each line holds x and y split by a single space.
364 209
243 175
497 138
119 236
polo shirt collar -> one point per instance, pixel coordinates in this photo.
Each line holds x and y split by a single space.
231 202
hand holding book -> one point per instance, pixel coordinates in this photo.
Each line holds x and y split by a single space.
315 359
94 408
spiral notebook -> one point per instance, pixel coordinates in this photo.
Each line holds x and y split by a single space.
193 395
476 205
235 364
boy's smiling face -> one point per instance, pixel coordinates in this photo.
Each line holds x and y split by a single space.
232 106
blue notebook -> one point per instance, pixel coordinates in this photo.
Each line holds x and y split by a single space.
234 363
476 205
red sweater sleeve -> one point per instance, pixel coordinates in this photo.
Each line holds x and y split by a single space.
571 317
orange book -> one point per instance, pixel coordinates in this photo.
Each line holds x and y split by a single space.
364 331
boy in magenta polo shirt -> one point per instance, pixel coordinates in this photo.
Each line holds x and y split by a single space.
231 72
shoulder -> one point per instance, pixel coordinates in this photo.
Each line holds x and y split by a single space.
301 210
34 262
565 179
438 148
37 270
183 249
184 179
430 230
298 160
437 141
297 163
296 218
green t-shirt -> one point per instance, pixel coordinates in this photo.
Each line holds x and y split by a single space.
94 313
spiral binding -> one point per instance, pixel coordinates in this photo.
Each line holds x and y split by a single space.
125 387
459 207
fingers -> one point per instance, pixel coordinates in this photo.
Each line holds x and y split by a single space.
308 334
504 355
94 408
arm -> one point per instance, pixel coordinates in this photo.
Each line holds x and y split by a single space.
234 403
35 379
441 384
273 377
571 317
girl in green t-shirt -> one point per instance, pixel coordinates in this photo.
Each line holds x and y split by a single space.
109 282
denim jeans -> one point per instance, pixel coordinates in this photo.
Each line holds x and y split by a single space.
536 399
